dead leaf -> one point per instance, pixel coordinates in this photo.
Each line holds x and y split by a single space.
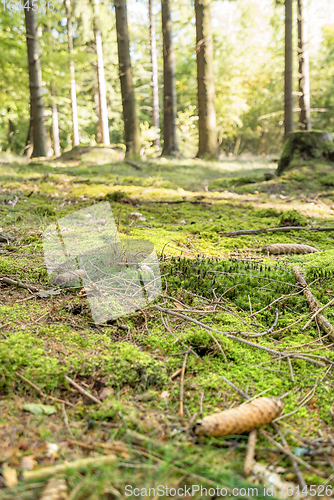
9 475
39 409
28 462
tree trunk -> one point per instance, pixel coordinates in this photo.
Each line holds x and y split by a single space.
103 110
288 85
154 75
131 126
304 70
207 128
98 132
35 83
55 123
170 141
75 125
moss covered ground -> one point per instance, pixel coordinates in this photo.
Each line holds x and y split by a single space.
224 282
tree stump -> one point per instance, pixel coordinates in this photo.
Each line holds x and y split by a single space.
306 144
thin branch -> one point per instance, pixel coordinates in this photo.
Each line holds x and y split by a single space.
82 391
41 392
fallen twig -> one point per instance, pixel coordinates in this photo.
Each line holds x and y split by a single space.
317 312
249 459
133 164
240 391
288 453
46 472
233 337
275 230
182 382
41 392
82 391
294 464
27 286
66 420
313 304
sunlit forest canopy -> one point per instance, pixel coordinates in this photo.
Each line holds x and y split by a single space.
248 49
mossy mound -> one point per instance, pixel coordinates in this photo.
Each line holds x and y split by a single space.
307 144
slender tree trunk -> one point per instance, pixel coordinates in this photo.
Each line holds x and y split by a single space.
75 124
288 84
101 83
304 70
170 141
55 123
98 133
35 83
154 74
207 127
131 125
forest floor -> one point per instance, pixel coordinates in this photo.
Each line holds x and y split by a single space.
150 375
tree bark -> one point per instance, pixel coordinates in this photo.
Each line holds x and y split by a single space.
170 141
75 124
303 70
98 133
35 83
55 122
131 125
154 75
207 128
101 83
288 84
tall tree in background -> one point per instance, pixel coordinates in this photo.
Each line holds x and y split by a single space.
55 122
103 111
207 127
35 83
154 74
288 85
75 124
303 70
131 125
170 141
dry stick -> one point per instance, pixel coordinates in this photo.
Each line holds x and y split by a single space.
82 391
291 370
178 339
182 382
317 312
240 391
9 281
269 330
46 472
291 455
275 230
66 420
249 459
313 304
201 405
176 374
41 392
299 475
233 337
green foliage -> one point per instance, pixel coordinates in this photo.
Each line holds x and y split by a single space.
292 218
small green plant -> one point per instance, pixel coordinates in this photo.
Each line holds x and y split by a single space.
292 218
